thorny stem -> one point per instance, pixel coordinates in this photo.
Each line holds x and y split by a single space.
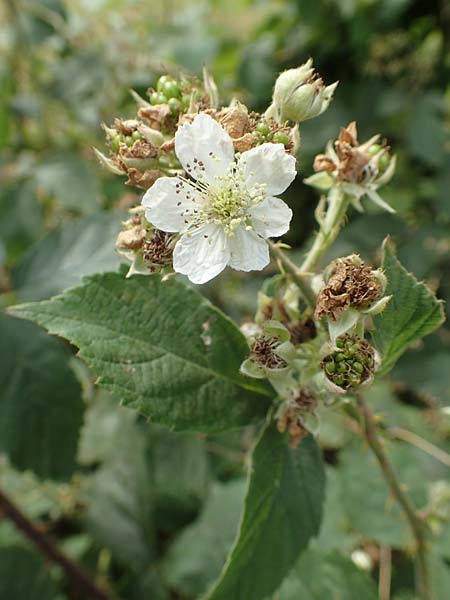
416 523
81 581
330 225
299 278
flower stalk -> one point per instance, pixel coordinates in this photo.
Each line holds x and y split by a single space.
296 273
415 521
330 225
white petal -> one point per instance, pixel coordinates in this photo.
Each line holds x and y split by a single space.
269 164
271 217
249 252
170 203
204 148
202 254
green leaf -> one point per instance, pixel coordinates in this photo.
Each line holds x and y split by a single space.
41 409
180 476
283 511
160 347
119 499
198 554
320 575
70 180
65 255
412 313
371 510
23 575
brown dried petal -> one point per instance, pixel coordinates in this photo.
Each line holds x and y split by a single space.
154 115
234 120
349 284
140 149
143 180
131 239
349 134
244 143
322 162
168 146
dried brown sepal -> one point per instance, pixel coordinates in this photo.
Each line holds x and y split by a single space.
351 284
262 351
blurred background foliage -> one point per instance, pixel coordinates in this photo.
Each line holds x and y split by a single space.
66 67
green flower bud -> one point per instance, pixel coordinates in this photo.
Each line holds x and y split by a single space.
279 137
136 135
154 98
174 105
162 81
115 144
263 128
299 94
171 89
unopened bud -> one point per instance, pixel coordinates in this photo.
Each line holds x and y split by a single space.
300 94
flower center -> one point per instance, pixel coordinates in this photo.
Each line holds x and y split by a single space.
228 202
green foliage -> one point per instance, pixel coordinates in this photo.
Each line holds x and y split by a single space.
412 312
320 575
120 493
40 401
175 358
281 514
23 575
150 512
198 554
65 255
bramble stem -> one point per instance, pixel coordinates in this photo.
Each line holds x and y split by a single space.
385 573
416 523
330 225
299 278
81 581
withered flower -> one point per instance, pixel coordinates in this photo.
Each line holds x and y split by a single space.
262 351
351 283
157 250
292 414
358 169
